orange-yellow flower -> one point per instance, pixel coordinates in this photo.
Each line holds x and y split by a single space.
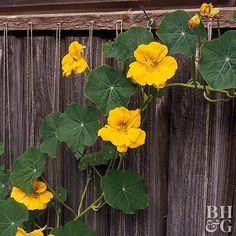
194 21
38 200
21 232
206 9
123 129
74 60
152 65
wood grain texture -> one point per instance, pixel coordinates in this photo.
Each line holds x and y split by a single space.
48 6
102 20
188 161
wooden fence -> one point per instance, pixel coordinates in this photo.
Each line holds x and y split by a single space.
188 161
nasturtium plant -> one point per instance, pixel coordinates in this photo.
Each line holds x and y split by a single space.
108 88
125 44
78 126
176 34
28 167
218 61
124 190
48 132
4 182
12 215
74 228
114 121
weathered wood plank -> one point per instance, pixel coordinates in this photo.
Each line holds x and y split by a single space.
187 160
202 162
102 20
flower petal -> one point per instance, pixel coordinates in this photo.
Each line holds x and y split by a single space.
75 50
118 117
105 132
20 232
138 136
135 119
137 72
35 204
35 233
122 148
165 70
45 197
67 65
119 138
157 51
134 134
80 65
39 186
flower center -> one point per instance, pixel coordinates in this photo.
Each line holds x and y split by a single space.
151 64
123 127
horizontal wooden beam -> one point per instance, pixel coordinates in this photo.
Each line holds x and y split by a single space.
102 20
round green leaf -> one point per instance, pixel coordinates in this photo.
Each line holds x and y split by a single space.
27 167
12 215
175 33
124 190
108 88
218 61
78 126
4 182
48 133
126 43
76 228
61 194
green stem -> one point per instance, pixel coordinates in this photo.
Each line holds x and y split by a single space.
218 26
96 171
199 87
84 192
213 100
110 164
91 206
120 162
58 198
58 217
142 95
144 110
38 226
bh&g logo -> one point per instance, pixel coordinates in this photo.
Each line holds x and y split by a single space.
219 218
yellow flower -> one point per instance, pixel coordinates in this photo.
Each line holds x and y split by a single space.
123 129
152 66
74 60
194 21
21 232
50 235
215 12
206 9
37 200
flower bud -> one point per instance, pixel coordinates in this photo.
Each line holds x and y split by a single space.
215 12
194 21
206 9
